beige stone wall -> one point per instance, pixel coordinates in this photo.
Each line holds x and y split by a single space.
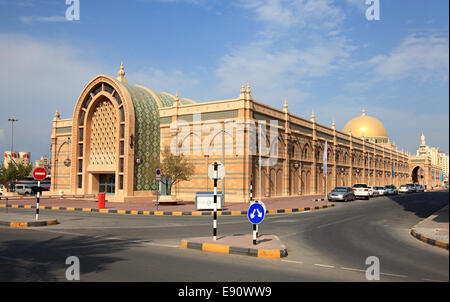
300 155
61 151
99 146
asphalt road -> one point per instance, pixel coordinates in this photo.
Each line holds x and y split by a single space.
326 245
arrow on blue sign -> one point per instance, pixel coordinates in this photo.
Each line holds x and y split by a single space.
256 213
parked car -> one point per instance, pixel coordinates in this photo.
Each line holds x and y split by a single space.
381 190
35 189
1 190
420 188
391 190
23 189
412 187
341 194
373 191
405 189
361 191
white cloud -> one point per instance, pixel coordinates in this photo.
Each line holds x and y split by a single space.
166 80
303 13
39 77
281 71
37 19
359 4
300 42
420 58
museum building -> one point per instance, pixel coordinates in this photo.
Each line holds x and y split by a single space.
117 130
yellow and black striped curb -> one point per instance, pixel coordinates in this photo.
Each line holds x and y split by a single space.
17 224
236 250
166 213
428 240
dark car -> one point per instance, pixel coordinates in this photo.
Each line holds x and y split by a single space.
341 194
35 189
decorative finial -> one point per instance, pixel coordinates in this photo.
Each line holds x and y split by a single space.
285 106
121 74
333 125
364 111
422 140
248 95
313 116
242 95
177 100
57 116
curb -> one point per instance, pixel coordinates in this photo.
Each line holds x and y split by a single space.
428 240
165 213
236 250
16 224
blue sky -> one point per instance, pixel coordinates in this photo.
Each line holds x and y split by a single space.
320 55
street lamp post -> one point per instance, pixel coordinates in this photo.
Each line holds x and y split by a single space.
12 120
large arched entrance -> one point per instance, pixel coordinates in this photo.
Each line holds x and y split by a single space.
417 175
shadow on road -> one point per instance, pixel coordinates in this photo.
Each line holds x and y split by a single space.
32 260
424 204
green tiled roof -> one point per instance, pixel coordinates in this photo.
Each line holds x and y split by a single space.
166 100
147 132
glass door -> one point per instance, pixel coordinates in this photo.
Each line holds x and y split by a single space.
107 184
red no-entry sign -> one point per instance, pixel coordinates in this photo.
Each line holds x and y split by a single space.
39 174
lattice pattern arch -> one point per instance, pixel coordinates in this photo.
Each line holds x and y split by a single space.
103 139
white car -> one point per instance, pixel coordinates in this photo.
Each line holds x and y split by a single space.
361 191
381 190
404 189
373 192
23 189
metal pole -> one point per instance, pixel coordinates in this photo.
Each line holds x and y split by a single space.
157 189
215 203
251 199
223 161
259 163
12 120
37 201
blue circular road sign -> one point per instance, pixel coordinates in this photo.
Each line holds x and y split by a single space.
256 212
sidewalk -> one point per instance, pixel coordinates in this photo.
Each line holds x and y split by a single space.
434 229
16 220
273 205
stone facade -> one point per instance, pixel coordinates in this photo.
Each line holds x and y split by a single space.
117 129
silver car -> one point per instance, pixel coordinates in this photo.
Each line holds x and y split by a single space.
341 194
390 190
420 188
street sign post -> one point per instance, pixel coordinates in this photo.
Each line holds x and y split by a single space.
255 214
220 171
39 174
158 178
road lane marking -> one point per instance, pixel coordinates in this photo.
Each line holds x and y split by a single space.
353 269
394 275
324 265
432 280
292 261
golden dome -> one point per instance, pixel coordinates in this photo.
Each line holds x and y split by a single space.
366 126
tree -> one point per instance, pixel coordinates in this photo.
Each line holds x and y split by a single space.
174 168
14 171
